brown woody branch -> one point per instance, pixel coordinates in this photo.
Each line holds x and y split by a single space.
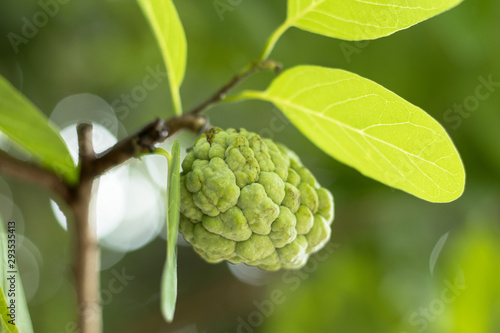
144 141
87 253
34 174
139 143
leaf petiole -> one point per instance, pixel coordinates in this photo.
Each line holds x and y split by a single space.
163 152
245 95
273 39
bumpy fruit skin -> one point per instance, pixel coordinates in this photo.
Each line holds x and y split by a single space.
249 200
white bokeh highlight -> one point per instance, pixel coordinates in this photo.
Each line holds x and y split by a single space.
110 201
249 275
129 199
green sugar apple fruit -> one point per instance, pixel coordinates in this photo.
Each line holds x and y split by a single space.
250 200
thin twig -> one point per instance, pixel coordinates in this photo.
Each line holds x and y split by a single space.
222 92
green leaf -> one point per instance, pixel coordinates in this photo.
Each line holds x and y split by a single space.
167 27
22 318
360 19
169 278
356 19
4 316
21 121
369 128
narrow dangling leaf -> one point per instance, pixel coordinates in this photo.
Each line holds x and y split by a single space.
169 278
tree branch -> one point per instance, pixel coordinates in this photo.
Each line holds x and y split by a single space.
87 256
35 174
144 140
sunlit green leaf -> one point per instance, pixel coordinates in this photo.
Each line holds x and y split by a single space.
366 126
22 122
4 316
169 278
167 27
22 316
360 19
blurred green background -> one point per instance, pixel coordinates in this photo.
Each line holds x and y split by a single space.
394 264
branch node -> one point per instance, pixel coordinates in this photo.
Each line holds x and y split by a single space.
157 132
